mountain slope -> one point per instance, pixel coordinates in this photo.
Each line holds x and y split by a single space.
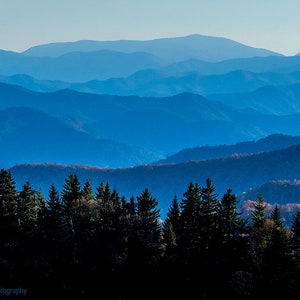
165 125
279 100
269 143
28 135
156 83
196 46
78 66
277 64
164 181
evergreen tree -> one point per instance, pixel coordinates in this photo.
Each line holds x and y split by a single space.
55 215
128 207
295 255
87 191
9 229
189 237
171 225
8 205
143 238
233 248
276 244
210 236
41 213
27 207
259 213
149 213
276 217
260 239
173 216
100 192
115 199
190 209
296 232
8 194
54 204
232 222
210 210
70 194
107 193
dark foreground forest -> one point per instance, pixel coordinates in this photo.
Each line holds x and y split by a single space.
98 245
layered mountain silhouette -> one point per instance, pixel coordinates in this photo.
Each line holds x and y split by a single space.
156 83
162 125
269 143
170 49
278 100
77 66
155 113
28 135
99 60
165 181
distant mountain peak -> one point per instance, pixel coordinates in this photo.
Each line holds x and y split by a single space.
174 49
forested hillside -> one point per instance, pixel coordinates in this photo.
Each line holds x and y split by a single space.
240 173
62 241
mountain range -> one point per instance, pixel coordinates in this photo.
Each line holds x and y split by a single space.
158 83
194 46
156 113
240 173
162 125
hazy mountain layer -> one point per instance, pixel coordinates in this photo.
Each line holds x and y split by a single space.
28 135
78 66
165 181
171 49
155 83
278 100
163 125
269 143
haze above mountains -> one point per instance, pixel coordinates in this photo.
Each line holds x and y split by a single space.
142 105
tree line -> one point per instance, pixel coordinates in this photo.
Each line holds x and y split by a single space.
80 242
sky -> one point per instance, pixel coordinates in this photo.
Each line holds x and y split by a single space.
269 24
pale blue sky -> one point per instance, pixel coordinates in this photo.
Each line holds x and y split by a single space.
271 24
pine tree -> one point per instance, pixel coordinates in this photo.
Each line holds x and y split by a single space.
100 192
54 214
232 222
115 199
276 217
173 216
143 235
210 209
189 237
295 255
259 213
9 228
149 213
169 237
171 225
54 203
8 194
70 194
276 245
233 246
27 207
87 191
190 210
296 232
132 206
41 213
128 207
